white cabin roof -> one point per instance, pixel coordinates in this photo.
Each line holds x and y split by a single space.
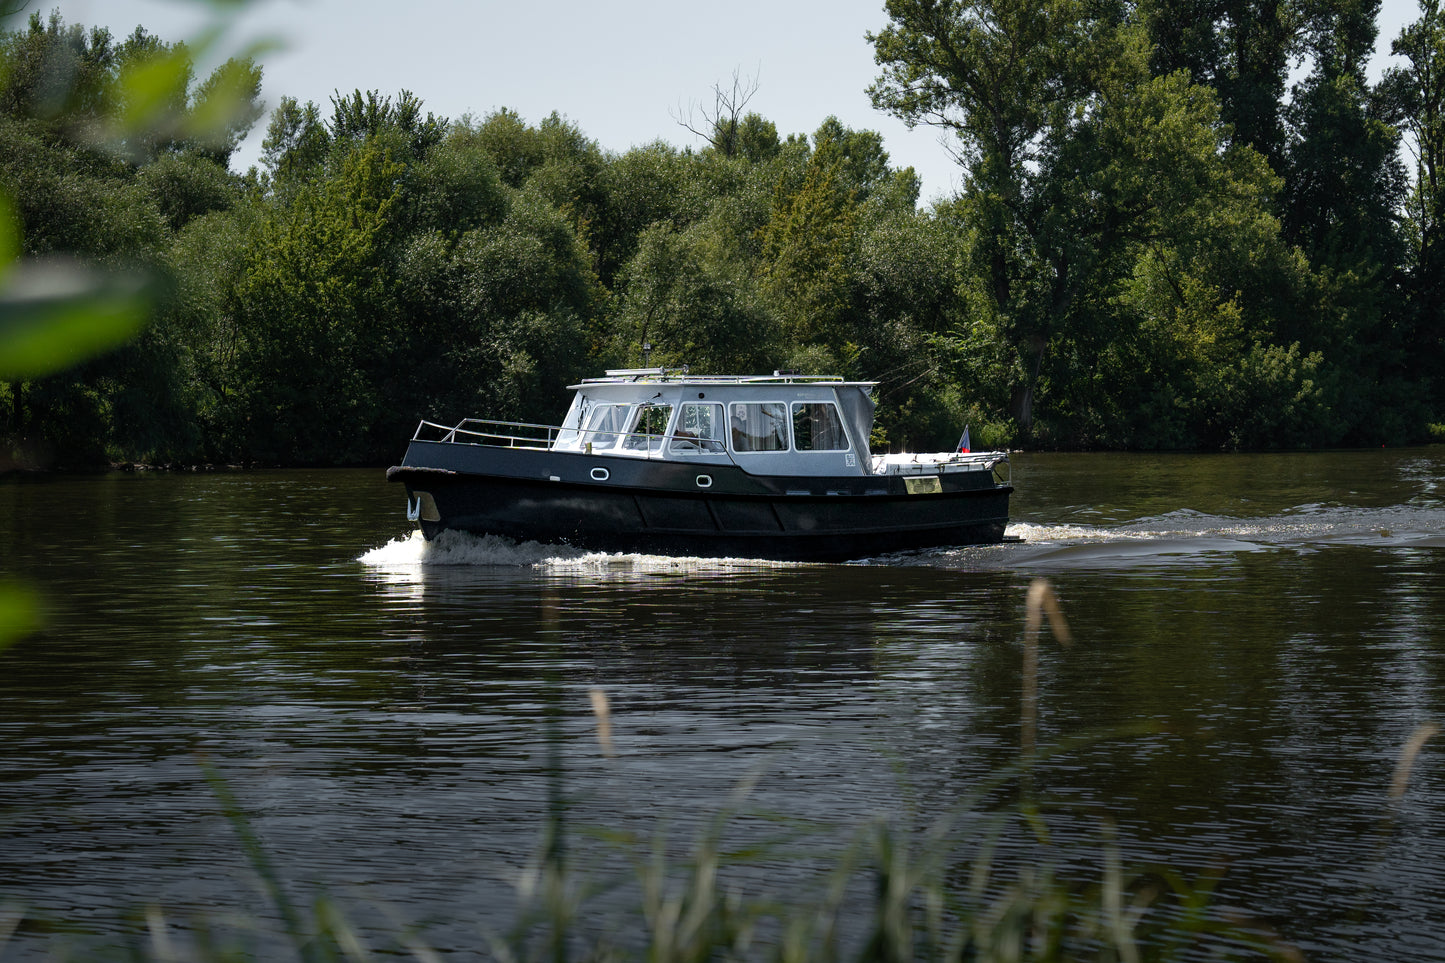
681 377
753 421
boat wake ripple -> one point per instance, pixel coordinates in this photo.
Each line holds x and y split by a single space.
450 548
1176 538
1185 537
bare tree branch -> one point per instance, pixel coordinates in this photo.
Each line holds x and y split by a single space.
719 127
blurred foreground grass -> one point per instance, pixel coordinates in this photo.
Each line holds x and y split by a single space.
888 893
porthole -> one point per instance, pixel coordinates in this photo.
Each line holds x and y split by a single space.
704 481
601 474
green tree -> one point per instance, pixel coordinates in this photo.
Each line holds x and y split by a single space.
1185 269
1415 93
828 202
690 295
554 159
999 74
643 187
1121 224
806 249
1342 180
1242 49
187 186
456 187
223 109
106 150
496 317
296 142
73 210
60 76
758 138
570 175
358 117
311 313
906 275
517 148
210 257
1343 186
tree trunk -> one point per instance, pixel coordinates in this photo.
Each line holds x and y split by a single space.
1021 407
1021 401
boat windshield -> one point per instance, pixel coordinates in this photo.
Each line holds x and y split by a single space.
604 424
649 427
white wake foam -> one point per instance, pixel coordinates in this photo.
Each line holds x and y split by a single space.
459 548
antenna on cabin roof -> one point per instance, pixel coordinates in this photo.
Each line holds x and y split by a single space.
646 354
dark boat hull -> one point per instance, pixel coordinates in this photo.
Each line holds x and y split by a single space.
532 495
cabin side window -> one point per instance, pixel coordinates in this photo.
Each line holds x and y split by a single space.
760 427
604 424
699 428
817 426
648 429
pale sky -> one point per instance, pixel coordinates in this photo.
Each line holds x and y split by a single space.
623 71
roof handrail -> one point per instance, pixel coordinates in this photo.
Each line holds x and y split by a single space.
627 375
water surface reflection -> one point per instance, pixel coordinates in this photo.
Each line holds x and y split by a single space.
1264 628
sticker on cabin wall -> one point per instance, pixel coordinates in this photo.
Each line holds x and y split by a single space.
851 460
924 485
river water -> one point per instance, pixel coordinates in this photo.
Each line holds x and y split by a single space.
1256 637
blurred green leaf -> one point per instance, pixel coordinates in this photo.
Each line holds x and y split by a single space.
19 613
56 313
9 233
155 88
226 104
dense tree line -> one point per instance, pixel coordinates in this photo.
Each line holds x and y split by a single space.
1184 224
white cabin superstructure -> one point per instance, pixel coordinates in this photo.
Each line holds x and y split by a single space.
776 425
779 425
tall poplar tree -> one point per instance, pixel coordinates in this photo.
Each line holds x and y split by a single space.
999 74
1415 94
1240 48
1342 180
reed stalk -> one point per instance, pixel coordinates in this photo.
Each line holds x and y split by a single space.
1422 734
260 860
1040 602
